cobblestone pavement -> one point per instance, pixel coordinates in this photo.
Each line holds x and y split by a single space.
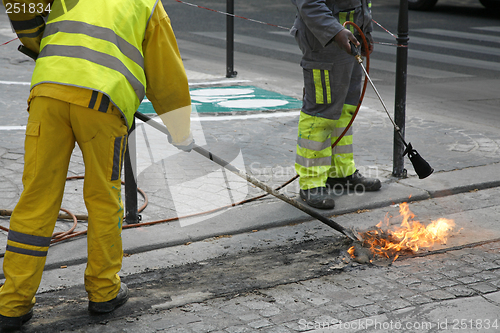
299 278
403 293
412 295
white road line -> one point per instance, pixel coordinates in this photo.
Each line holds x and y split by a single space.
250 116
263 115
281 33
209 83
440 44
199 117
213 83
14 82
418 71
444 58
460 34
12 128
494 29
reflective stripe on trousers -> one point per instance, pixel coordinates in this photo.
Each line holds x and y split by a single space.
315 159
322 86
342 155
52 129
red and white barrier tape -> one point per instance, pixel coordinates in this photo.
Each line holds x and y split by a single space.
390 33
7 42
228 14
279 26
256 21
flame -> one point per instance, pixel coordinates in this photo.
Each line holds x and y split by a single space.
411 235
351 251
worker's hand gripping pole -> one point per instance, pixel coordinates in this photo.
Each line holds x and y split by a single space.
228 166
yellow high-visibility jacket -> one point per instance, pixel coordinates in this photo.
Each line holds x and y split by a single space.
95 51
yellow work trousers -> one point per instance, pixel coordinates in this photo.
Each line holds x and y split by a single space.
52 129
316 161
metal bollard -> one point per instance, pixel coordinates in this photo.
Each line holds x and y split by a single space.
230 72
131 214
400 97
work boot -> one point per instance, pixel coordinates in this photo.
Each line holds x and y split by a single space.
356 181
318 197
110 306
10 324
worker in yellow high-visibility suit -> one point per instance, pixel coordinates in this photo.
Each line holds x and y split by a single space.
97 59
332 88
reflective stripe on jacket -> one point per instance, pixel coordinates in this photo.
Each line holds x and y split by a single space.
98 47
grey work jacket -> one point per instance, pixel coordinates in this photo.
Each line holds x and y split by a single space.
318 22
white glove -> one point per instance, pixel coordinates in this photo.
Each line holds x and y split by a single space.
185 145
178 124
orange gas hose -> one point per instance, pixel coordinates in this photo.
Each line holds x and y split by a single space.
62 236
365 44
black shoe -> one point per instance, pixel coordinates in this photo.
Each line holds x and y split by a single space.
110 306
318 197
356 181
10 324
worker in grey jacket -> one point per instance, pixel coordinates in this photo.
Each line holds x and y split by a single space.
332 88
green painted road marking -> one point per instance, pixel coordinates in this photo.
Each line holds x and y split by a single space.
234 99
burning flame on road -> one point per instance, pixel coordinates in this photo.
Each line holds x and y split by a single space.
411 235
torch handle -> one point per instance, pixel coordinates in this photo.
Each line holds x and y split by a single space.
28 52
